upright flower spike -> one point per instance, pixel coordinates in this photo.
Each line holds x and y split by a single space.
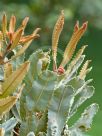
69 51
84 70
55 37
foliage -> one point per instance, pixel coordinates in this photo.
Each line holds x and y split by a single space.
12 45
50 96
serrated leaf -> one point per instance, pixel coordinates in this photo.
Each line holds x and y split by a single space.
16 38
85 94
34 124
41 124
18 60
71 75
9 124
28 124
55 37
15 112
12 24
4 24
71 46
42 91
58 110
84 123
6 104
21 50
7 70
39 82
10 84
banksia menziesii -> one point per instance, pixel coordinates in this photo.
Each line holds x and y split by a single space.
50 97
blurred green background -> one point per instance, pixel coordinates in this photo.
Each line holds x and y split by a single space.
44 13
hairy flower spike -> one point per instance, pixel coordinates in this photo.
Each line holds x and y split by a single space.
84 70
55 37
69 51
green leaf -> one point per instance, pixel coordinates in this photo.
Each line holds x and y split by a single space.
58 110
17 59
9 125
71 75
15 111
39 84
85 94
34 124
84 123
11 83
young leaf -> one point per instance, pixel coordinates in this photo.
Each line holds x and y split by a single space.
4 24
16 38
12 24
75 60
55 37
11 83
22 50
6 104
84 69
2 131
8 69
72 44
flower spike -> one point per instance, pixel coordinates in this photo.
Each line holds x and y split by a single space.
69 51
55 37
